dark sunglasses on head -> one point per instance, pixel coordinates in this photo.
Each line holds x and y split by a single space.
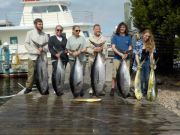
77 30
59 30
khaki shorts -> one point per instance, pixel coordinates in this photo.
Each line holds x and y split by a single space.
116 64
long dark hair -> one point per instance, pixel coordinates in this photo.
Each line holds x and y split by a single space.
119 26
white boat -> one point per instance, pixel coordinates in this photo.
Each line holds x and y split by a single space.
52 12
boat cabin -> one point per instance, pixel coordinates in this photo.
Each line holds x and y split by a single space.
52 11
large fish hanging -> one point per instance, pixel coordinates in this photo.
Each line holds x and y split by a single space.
98 73
41 72
123 79
58 78
76 77
152 87
137 83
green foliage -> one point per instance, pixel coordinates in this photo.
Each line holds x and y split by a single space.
177 45
161 16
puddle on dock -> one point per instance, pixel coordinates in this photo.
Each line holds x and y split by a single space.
55 115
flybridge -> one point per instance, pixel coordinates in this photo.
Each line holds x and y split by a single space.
29 0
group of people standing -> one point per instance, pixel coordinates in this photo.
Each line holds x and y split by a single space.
143 50
76 45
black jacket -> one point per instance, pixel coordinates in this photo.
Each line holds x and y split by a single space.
56 46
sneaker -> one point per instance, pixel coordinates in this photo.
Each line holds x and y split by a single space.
90 91
102 93
112 92
81 93
75 95
59 93
144 94
28 90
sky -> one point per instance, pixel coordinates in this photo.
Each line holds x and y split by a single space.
105 12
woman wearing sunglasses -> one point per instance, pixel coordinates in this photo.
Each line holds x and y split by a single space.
57 46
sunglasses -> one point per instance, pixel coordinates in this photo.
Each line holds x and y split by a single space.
77 30
59 30
147 36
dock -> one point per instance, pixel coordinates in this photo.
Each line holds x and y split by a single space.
34 114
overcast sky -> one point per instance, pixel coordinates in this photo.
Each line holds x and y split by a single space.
105 12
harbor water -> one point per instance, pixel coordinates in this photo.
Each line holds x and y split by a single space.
10 86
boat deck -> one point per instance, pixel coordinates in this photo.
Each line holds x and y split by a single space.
34 114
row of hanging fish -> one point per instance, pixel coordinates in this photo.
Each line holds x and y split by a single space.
152 88
124 82
97 74
76 79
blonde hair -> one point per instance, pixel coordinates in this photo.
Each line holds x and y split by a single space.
137 35
150 44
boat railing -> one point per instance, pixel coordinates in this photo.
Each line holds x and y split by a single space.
26 1
19 18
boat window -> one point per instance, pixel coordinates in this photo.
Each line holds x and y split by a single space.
13 40
45 9
86 33
53 8
37 9
64 8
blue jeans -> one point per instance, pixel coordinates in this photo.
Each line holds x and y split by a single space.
145 76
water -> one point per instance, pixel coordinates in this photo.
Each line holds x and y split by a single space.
10 86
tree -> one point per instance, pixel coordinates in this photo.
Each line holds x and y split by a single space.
161 16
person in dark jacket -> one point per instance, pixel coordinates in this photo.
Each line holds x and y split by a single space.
57 48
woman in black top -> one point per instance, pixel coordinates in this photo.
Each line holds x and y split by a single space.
147 57
57 48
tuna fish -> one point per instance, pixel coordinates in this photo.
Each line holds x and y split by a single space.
137 83
41 72
98 74
76 77
152 89
42 75
58 78
123 79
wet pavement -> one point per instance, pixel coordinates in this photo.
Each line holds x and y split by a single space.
34 114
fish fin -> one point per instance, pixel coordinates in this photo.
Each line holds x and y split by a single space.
78 83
